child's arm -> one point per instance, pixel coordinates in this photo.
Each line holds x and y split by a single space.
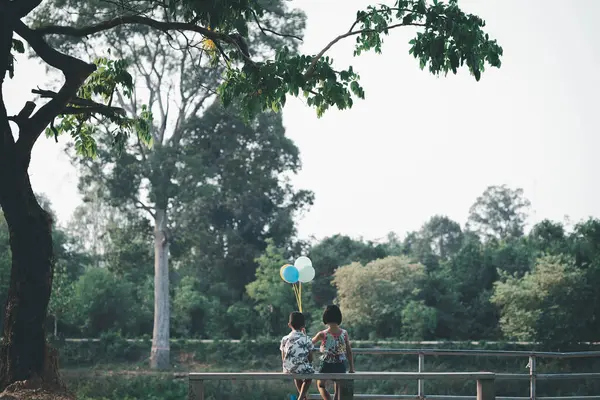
349 353
281 348
318 337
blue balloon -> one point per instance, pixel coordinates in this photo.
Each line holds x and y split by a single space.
290 274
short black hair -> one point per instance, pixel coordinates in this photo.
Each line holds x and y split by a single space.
297 320
332 315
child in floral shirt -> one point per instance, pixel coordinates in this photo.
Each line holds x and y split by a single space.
296 353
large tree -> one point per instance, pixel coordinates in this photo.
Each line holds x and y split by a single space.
178 88
333 252
499 213
377 295
438 239
233 195
446 39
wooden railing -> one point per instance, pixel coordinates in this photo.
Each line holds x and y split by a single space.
532 376
485 380
485 386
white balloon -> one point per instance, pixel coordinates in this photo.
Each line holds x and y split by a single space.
302 262
306 274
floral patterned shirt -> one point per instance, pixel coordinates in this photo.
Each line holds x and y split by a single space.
296 347
333 346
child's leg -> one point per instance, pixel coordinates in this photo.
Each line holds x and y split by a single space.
338 393
321 385
298 383
304 392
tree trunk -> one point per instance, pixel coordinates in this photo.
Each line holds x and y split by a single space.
160 354
24 354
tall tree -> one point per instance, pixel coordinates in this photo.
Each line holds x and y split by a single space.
375 296
546 304
233 195
177 87
447 38
462 291
89 223
435 242
499 213
333 252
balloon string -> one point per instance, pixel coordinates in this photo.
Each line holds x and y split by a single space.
295 293
300 295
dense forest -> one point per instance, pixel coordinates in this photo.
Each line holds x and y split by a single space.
488 280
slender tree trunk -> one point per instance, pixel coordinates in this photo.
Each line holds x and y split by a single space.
160 354
24 354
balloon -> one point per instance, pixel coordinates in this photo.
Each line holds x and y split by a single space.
302 262
290 274
307 274
281 270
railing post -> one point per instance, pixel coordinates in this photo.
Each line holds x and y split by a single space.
346 388
421 382
196 390
486 389
532 377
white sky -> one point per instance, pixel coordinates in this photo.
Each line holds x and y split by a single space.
420 145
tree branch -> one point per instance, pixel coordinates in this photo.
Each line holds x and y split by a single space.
78 105
178 131
24 114
163 109
265 30
141 206
316 58
138 19
75 71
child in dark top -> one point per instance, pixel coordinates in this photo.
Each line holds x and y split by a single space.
335 348
296 353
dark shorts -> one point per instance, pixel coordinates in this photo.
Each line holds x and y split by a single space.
333 368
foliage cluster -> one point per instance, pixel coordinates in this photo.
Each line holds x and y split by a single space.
441 282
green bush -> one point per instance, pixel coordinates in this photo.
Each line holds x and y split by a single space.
102 302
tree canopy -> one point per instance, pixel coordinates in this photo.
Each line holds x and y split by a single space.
446 39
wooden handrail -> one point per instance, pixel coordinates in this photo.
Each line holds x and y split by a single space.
267 376
485 380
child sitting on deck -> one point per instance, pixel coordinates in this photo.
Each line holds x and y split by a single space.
296 353
336 349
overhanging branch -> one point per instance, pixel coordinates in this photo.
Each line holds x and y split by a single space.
78 105
265 30
351 32
75 71
141 20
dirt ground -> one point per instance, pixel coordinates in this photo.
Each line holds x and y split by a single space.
31 390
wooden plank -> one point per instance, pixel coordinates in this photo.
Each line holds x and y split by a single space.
346 390
486 389
582 375
256 376
439 397
196 390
